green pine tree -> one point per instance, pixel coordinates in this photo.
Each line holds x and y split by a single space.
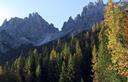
67 73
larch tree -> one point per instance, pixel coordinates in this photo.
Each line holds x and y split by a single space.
66 53
94 64
113 17
53 67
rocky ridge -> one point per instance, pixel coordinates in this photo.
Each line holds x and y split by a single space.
35 31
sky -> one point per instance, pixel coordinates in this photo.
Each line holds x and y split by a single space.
53 11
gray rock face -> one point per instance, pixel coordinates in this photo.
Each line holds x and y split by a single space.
92 13
36 31
32 30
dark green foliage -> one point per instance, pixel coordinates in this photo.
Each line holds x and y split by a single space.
77 63
67 73
103 58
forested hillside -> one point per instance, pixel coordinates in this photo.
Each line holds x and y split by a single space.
97 55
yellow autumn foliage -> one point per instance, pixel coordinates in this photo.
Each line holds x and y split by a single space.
53 55
119 55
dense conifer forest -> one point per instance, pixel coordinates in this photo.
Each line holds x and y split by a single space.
97 55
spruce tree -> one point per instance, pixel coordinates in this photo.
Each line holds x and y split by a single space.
103 58
67 73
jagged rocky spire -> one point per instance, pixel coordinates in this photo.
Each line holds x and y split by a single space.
100 1
5 22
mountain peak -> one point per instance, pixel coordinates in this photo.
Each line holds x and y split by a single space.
70 19
100 3
70 24
91 14
5 22
34 15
